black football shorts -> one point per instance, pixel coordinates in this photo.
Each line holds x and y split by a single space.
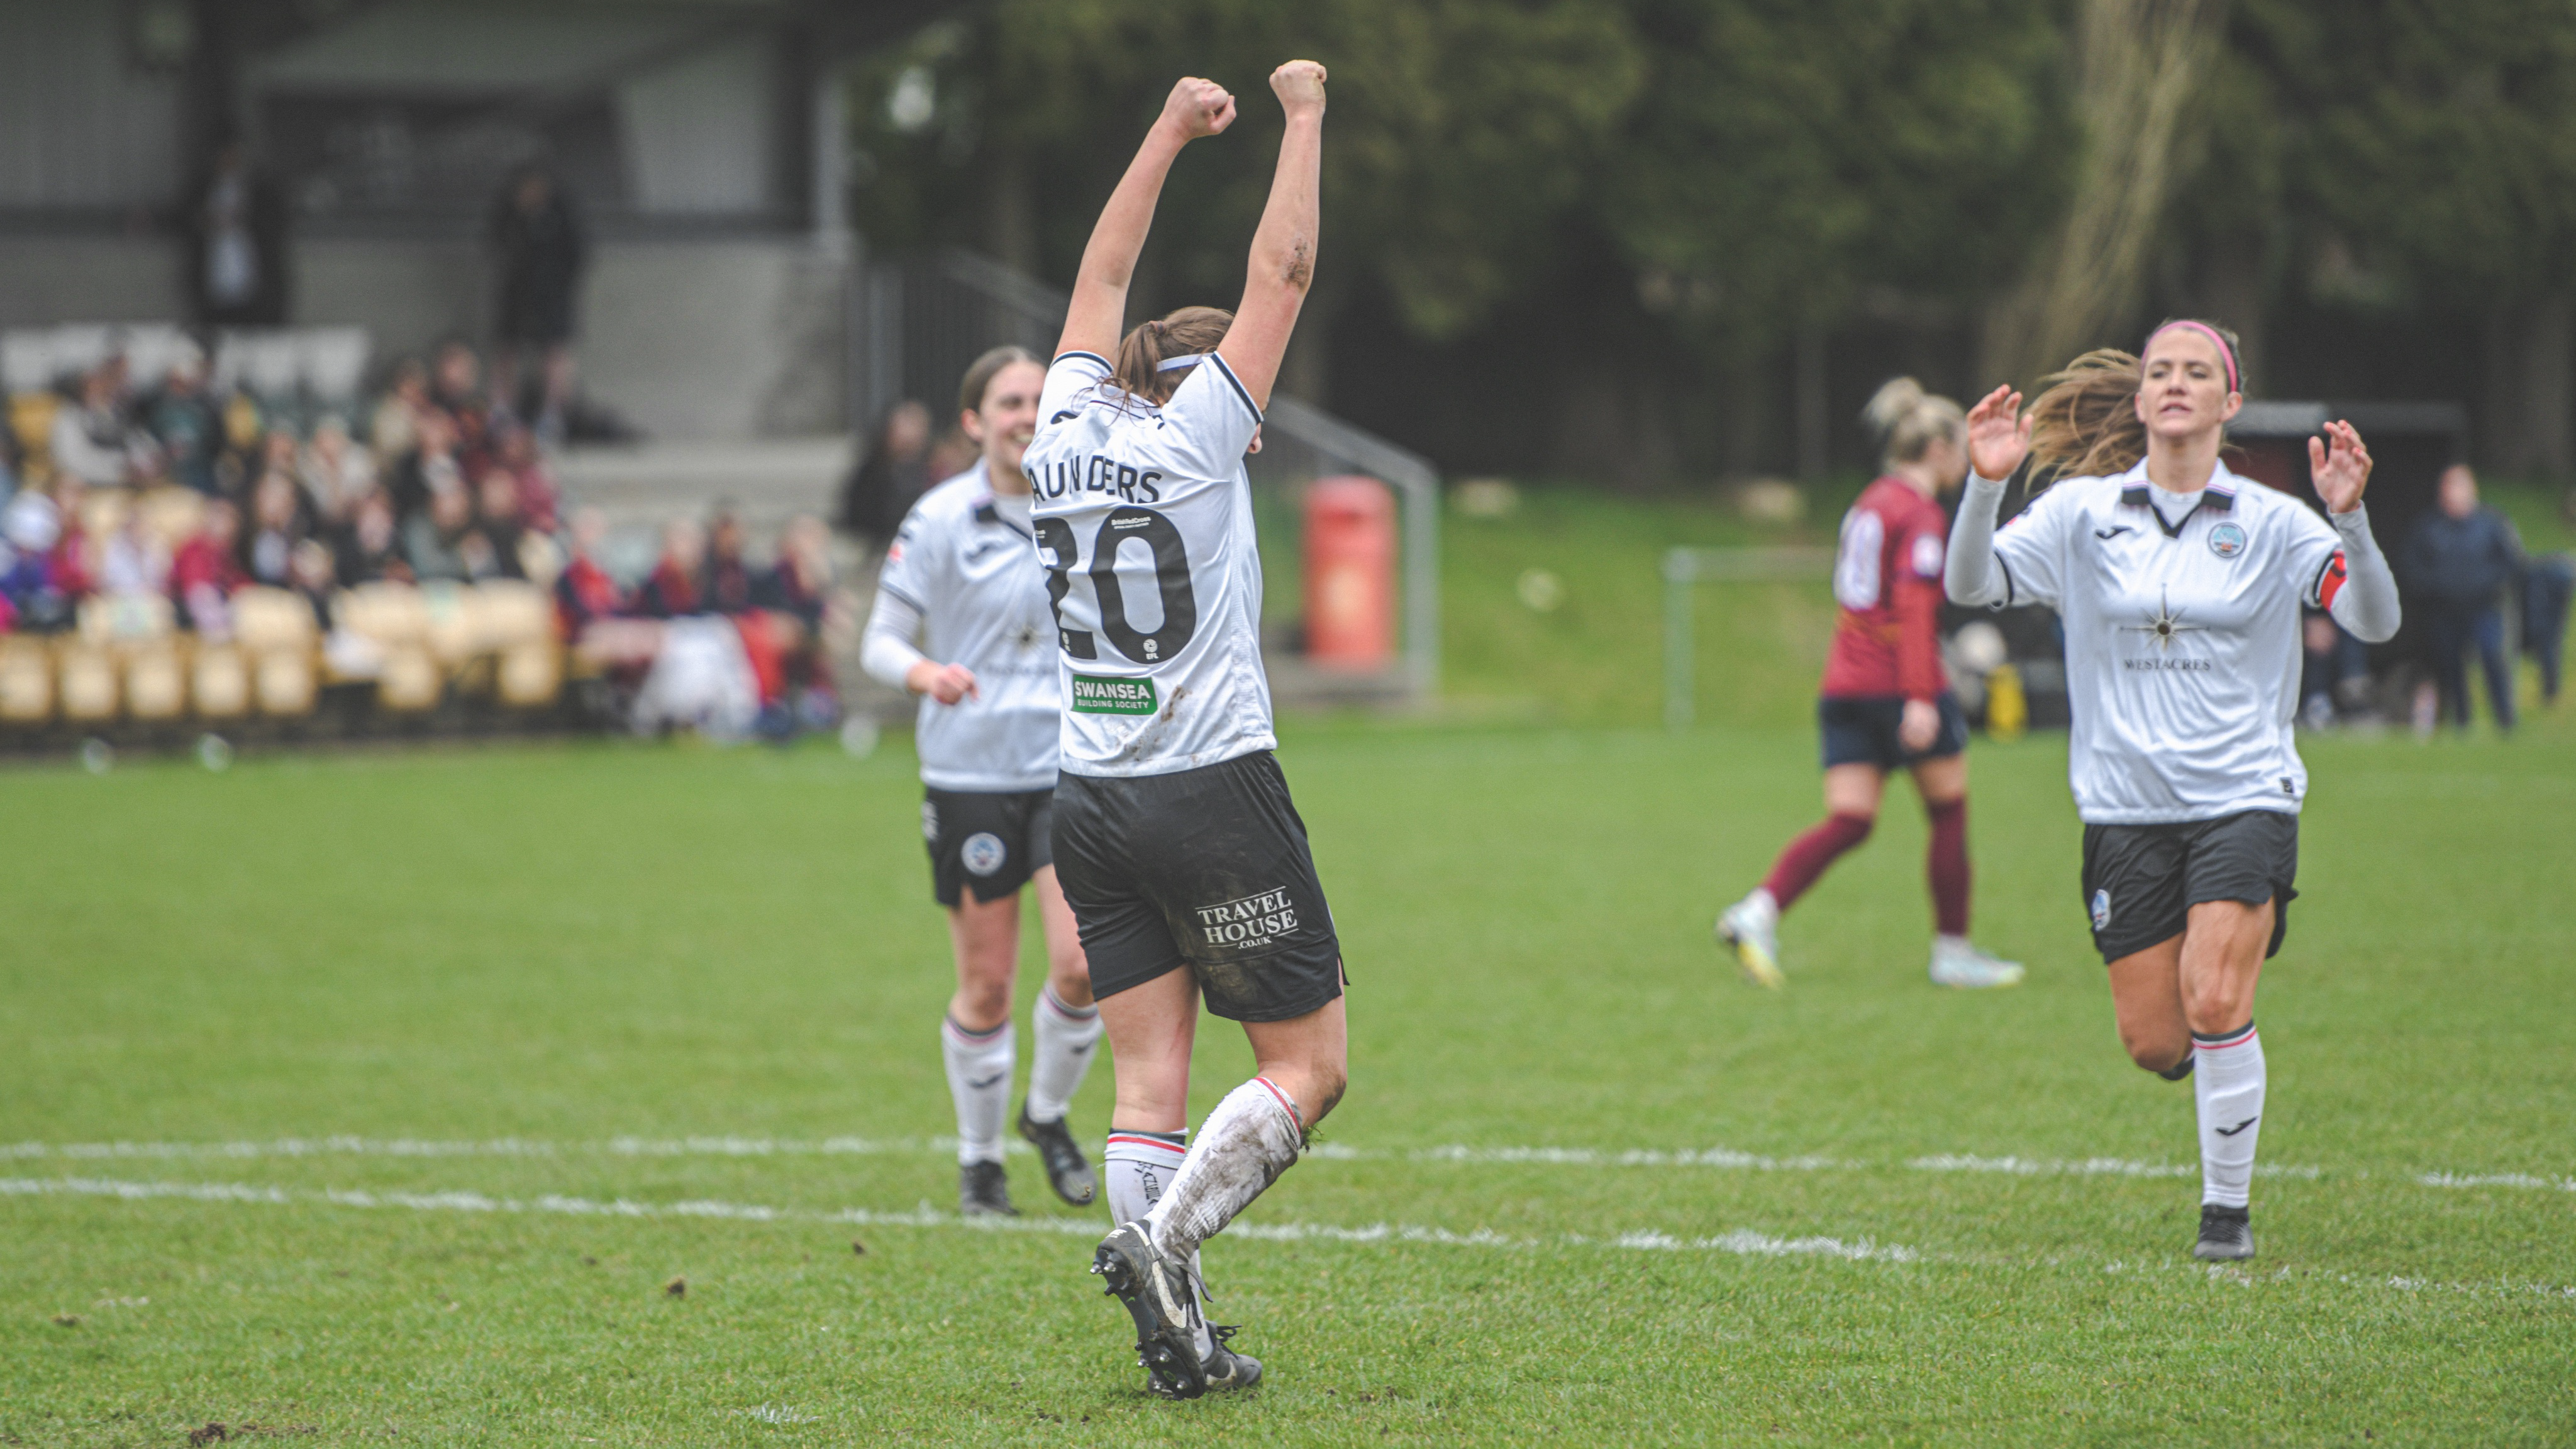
1863 732
1204 868
2141 881
986 842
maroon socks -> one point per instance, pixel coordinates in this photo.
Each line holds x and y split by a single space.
1947 862
1809 854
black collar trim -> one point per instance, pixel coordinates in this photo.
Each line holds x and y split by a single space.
2213 498
985 512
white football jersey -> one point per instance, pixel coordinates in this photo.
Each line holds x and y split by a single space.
966 565
1144 520
2182 640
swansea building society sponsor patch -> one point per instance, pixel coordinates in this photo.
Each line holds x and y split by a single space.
1253 921
1093 694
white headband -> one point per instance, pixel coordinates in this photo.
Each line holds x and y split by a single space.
1174 364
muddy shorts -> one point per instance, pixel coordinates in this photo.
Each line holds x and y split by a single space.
1206 869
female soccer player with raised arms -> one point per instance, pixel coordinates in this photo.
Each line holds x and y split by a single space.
962 575
1176 841
1886 706
2179 586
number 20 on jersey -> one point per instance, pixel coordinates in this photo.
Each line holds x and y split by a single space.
1062 547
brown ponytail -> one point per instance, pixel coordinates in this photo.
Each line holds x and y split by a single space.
2085 425
1185 333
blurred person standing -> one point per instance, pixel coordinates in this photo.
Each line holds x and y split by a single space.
895 471
537 253
962 575
2547 585
235 227
2460 560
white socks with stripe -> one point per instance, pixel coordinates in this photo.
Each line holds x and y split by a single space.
2228 1087
1062 1053
1251 1138
979 1078
1140 1165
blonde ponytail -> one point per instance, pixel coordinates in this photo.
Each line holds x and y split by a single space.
1908 421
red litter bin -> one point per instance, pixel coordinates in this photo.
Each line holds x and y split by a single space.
1350 573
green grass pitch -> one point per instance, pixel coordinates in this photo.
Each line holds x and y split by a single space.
512 1039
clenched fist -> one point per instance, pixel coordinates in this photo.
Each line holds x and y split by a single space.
1300 87
1198 108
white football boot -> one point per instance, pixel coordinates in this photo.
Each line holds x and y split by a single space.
1957 963
1751 929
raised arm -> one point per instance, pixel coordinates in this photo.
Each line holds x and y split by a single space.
2365 601
1998 439
1283 250
1195 108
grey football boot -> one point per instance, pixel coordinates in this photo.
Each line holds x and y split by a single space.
2226 1234
1067 1170
1226 1369
1158 1294
984 1190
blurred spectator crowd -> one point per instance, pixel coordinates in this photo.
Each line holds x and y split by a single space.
173 544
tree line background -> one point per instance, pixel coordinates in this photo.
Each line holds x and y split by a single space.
1645 241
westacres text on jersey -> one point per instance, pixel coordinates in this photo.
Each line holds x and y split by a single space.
1097 473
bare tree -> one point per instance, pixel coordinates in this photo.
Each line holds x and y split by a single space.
2137 64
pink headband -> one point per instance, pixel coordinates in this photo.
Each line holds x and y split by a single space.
2204 329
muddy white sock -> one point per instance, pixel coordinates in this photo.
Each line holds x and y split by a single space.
979 1078
1061 1053
1243 1146
1139 1166
2228 1086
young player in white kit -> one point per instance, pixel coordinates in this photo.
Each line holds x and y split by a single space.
2179 585
963 574
1181 852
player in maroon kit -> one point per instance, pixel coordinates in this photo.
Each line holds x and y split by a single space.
1886 705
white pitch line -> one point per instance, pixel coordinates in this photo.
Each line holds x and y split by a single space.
1743 1242
2497 1179
2089 1167
1719 1158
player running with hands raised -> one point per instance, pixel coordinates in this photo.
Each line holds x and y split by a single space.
1886 705
1181 852
2179 585
962 575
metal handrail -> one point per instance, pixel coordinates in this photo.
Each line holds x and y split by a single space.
1685 567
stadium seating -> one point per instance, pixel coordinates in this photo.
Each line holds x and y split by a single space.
26 682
